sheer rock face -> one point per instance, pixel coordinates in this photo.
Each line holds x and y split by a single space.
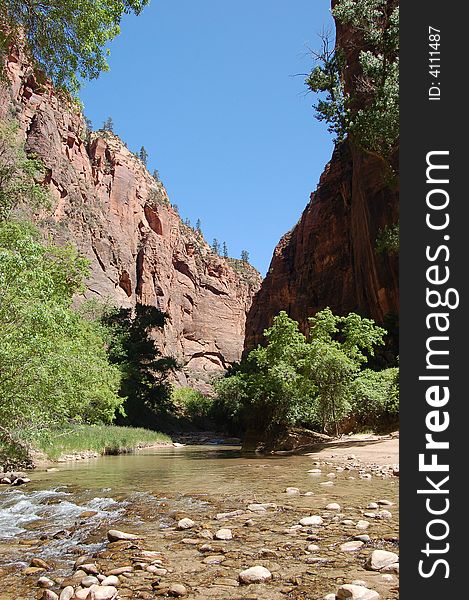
329 258
108 205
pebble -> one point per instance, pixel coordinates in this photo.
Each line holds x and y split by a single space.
45 582
292 491
359 582
315 471
363 525
329 597
352 546
114 535
384 514
39 563
249 523
348 522
82 594
88 569
312 548
229 515
214 559
49 595
333 506
257 574
327 483
380 559
111 580
385 503
158 571
372 506
186 523
177 590
67 593
256 507
88 581
356 592
311 521
388 578
103 592
331 475
224 534
121 570
362 538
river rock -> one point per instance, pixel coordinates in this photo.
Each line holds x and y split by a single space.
88 581
224 534
313 520
327 483
32 570
385 503
49 595
312 548
121 570
379 559
315 471
114 535
229 515
67 593
42 564
103 592
356 592
186 524
257 574
352 546
363 524
257 507
384 514
372 506
292 491
158 571
45 582
89 569
362 538
214 559
177 590
82 593
333 506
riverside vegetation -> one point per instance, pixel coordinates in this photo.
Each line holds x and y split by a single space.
69 368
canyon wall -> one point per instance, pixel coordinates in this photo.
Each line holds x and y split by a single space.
106 203
330 258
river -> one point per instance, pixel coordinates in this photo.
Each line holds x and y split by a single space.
66 513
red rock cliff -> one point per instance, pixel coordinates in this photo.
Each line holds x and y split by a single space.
329 258
107 204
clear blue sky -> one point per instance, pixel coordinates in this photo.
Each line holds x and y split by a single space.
208 88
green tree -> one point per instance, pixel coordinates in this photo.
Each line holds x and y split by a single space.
245 256
198 226
143 155
369 111
375 398
108 125
53 364
216 246
156 175
66 39
18 174
225 250
144 370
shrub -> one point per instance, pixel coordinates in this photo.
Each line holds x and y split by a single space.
193 405
375 397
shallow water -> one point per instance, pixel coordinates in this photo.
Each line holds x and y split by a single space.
149 491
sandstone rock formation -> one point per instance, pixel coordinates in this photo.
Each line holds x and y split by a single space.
329 258
120 217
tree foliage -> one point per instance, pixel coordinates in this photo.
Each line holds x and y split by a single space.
144 370
66 38
53 363
18 174
369 112
301 379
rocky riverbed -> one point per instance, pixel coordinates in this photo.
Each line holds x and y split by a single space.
313 527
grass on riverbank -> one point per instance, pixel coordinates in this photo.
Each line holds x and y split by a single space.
102 439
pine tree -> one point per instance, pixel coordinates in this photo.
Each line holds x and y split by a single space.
216 246
108 125
225 250
176 208
143 155
156 175
245 256
198 226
